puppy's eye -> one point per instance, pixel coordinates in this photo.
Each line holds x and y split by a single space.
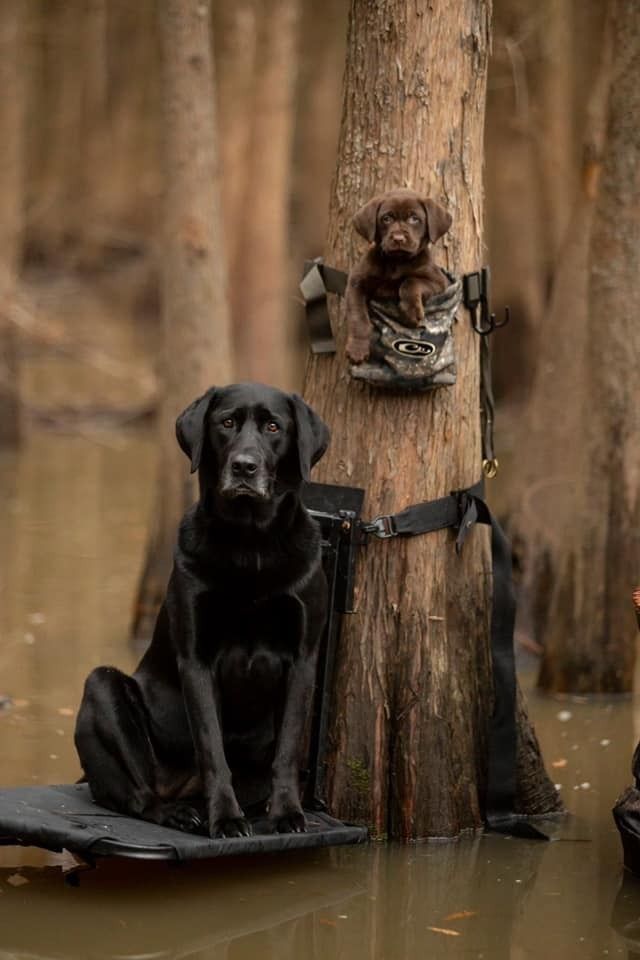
387 218
227 423
412 219
272 426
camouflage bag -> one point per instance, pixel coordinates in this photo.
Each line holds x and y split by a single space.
412 358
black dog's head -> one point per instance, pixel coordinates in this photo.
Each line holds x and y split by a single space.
401 222
251 444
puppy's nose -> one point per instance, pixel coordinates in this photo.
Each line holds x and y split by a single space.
398 237
243 466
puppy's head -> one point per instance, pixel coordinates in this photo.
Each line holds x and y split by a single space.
401 222
251 444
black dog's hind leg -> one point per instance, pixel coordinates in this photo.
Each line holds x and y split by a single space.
113 743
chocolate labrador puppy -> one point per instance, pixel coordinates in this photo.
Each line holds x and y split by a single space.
400 225
208 730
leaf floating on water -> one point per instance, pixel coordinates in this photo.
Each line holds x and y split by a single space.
21 703
559 763
461 915
447 933
327 923
66 711
17 880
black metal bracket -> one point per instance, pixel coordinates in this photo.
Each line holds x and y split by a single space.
476 293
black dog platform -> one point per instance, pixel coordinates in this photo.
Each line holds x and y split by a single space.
65 816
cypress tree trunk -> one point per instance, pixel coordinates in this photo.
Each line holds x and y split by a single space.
413 683
196 349
259 274
11 212
591 641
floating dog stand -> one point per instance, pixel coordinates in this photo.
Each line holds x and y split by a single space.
65 816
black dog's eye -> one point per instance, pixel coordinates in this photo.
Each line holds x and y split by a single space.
228 423
272 426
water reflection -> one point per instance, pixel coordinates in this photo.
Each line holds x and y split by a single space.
73 517
384 902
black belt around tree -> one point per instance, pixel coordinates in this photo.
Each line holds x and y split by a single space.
462 510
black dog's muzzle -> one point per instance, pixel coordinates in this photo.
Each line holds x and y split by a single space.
245 474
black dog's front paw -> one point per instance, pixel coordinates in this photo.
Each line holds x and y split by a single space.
232 827
226 819
179 815
285 812
293 822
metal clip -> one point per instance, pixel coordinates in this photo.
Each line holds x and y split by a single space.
476 294
381 527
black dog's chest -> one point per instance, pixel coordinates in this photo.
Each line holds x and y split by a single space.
239 627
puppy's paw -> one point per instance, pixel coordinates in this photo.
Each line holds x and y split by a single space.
413 313
357 349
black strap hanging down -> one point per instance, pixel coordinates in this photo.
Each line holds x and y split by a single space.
462 510
317 281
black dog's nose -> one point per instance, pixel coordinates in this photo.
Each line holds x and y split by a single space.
244 466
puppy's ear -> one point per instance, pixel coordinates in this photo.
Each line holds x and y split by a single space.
312 434
365 220
191 426
438 219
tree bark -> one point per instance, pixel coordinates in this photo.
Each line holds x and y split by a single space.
591 641
259 274
196 346
11 211
413 681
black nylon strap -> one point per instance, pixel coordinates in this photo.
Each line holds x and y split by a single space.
487 409
462 510
317 281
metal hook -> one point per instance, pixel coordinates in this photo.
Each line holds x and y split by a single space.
476 294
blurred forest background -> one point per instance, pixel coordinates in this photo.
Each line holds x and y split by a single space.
83 269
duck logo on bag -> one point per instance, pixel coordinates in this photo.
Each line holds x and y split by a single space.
414 348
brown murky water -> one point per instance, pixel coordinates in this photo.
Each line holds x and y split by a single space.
73 515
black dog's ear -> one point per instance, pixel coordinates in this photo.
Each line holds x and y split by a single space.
438 219
313 434
191 426
365 220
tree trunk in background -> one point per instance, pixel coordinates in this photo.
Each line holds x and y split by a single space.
555 103
545 484
196 347
318 103
12 70
95 143
413 680
514 222
322 48
540 77
259 274
590 643
235 29
51 216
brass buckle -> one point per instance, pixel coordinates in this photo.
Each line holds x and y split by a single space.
490 468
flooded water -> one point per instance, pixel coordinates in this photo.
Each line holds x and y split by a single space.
73 516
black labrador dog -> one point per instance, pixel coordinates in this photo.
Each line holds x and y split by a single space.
208 731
